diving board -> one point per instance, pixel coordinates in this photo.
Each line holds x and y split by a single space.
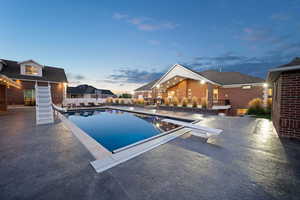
197 130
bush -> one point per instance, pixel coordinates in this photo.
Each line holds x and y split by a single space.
184 102
116 101
256 107
203 104
141 101
167 101
109 100
194 102
269 106
122 101
175 101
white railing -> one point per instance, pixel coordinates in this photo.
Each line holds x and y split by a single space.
86 101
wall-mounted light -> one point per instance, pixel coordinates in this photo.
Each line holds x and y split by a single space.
202 82
157 86
265 85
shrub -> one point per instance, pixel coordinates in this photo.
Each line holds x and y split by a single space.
194 102
116 101
141 101
167 101
109 100
203 104
256 107
269 106
175 101
184 102
122 101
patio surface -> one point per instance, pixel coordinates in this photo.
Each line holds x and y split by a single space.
248 161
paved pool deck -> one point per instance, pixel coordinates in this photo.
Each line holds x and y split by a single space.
248 161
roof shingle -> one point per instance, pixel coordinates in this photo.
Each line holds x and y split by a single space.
12 70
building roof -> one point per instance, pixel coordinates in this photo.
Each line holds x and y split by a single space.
87 89
147 86
294 62
222 78
230 78
12 70
274 73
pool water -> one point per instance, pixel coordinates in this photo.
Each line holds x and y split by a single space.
115 129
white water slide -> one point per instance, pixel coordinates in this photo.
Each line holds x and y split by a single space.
44 110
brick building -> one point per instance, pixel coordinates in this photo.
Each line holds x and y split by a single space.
228 92
24 75
285 80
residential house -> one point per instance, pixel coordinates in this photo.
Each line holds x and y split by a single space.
228 92
87 91
285 81
23 76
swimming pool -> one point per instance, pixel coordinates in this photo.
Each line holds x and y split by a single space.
115 129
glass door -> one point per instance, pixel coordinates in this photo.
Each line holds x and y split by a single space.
29 97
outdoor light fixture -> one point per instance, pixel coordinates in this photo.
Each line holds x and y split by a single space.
202 82
157 86
265 85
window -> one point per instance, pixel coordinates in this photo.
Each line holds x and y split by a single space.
215 95
31 70
246 87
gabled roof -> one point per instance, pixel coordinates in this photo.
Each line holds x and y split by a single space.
87 89
148 86
12 70
212 76
230 78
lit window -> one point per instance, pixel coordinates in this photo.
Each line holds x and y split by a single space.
31 70
246 87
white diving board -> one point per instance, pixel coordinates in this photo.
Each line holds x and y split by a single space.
197 130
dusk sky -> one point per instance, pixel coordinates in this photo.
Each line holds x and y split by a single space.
121 45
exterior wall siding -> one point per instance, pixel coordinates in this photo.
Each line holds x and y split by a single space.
286 111
16 96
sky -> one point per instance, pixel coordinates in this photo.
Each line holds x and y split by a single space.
121 45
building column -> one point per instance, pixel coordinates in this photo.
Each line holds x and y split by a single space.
265 96
209 95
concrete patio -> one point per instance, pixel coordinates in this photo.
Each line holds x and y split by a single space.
248 161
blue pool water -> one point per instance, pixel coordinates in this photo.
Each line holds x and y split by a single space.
115 129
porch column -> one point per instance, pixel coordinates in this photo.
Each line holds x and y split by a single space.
209 95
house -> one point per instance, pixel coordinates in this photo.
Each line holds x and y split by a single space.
228 92
285 81
23 76
87 91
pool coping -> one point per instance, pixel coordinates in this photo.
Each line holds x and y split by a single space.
106 159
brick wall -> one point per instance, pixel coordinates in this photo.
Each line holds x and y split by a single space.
3 105
286 110
15 96
239 98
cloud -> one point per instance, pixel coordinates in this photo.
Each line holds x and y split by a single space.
145 23
119 16
259 34
154 42
134 76
280 17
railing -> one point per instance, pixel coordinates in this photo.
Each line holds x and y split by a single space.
221 102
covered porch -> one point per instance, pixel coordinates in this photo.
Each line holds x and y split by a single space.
192 89
5 83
